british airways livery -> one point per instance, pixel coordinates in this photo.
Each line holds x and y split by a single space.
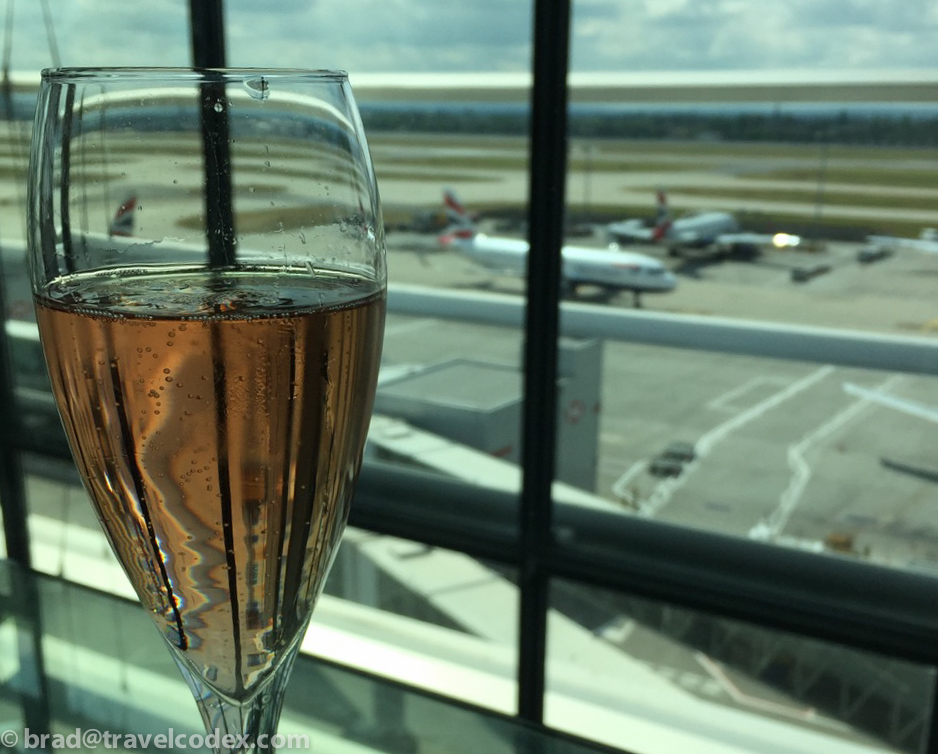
609 269
696 231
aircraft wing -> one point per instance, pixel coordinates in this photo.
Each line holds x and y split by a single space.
778 240
893 243
921 410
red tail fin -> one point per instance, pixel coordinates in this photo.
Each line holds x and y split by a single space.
662 217
456 212
456 235
123 222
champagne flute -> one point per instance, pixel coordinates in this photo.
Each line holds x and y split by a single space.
208 267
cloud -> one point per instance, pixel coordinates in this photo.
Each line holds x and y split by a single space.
753 34
377 35
101 33
494 35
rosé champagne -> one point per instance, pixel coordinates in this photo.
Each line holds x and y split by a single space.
220 429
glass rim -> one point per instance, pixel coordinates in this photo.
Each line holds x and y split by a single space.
169 73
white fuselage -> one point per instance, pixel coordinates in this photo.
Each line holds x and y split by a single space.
608 268
701 229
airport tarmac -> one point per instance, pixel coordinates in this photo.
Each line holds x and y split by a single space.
783 453
895 295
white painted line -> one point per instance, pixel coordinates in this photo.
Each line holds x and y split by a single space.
879 395
718 434
663 492
724 402
772 525
620 487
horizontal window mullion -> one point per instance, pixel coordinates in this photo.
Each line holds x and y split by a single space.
437 511
831 597
891 611
870 607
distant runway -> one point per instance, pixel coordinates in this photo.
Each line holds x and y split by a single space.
610 173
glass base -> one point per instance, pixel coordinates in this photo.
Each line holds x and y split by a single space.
241 727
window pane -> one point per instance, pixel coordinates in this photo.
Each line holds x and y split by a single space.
104 667
444 98
650 677
800 199
783 452
429 617
432 618
43 35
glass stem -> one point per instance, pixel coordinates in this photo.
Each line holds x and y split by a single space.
241 727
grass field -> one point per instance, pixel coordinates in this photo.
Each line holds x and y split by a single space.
845 176
862 198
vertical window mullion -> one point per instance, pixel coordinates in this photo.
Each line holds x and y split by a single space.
931 742
547 177
12 479
207 31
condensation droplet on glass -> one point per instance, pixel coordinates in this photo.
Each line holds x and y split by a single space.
251 189
218 107
258 88
266 163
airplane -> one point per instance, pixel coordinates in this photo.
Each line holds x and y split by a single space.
700 230
884 245
123 222
610 269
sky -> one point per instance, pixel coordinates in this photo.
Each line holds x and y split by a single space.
372 36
